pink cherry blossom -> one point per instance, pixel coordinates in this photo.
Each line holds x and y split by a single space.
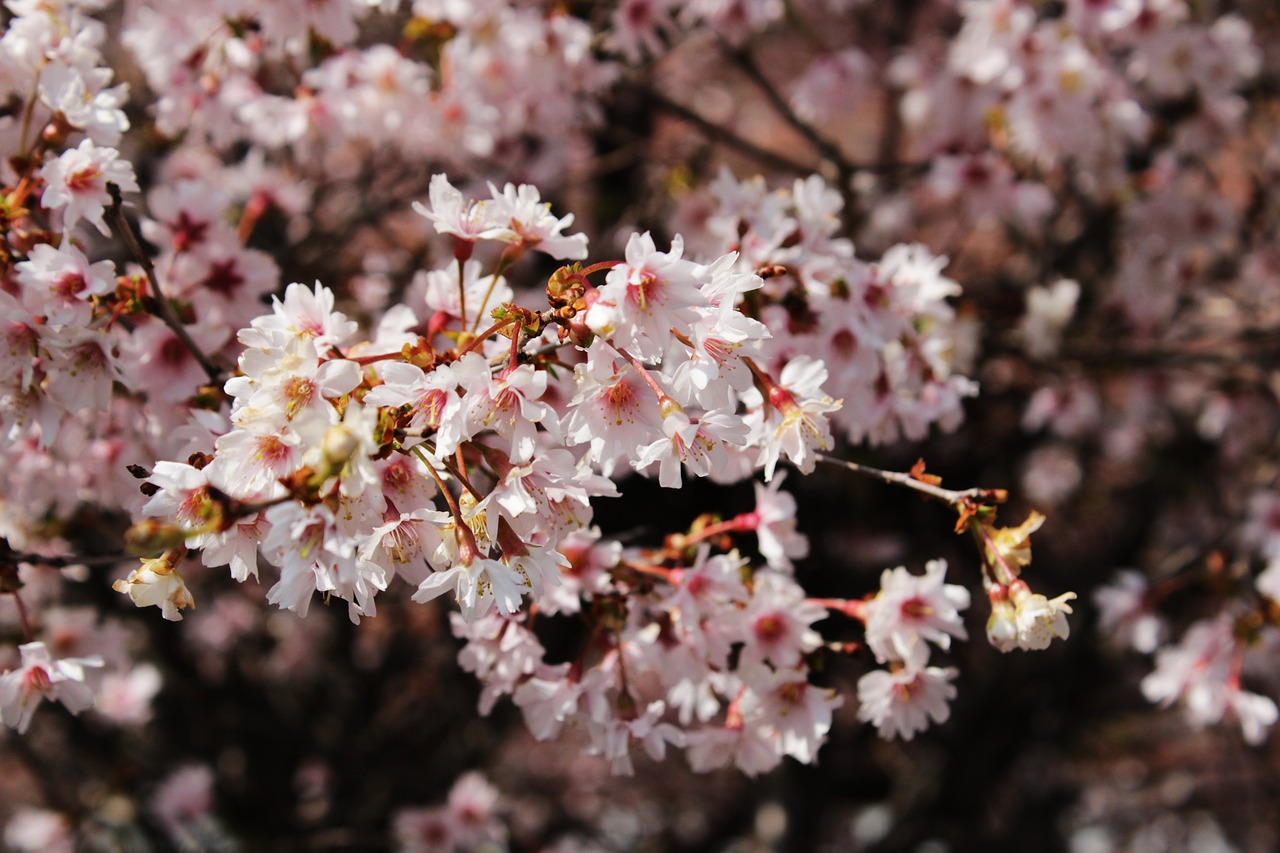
76 183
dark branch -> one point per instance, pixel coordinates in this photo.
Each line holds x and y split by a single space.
158 305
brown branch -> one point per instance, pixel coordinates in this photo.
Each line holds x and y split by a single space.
826 148
829 150
161 307
23 619
14 557
727 137
772 159
891 128
948 496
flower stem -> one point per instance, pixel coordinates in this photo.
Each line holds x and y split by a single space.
416 450
479 339
644 374
505 263
1004 575
23 619
462 293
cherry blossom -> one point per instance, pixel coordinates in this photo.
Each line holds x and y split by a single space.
911 608
76 183
41 677
900 703
157 584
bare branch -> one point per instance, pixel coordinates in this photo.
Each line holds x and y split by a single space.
158 303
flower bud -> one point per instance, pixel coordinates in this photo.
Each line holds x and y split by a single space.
1002 626
151 535
339 445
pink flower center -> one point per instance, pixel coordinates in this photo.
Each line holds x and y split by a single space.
271 450
844 343
84 179
620 400
770 628
648 288
69 285
792 693
916 608
174 353
430 405
224 278
187 231
396 476
194 507
36 680
298 391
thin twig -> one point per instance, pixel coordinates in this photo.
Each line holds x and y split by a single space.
828 149
991 556
417 451
727 137
891 127
23 619
830 152
546 318
767 157
505 262
65 562
163 310
949 496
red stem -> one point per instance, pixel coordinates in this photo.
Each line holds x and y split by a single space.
484 336
22 617
644 374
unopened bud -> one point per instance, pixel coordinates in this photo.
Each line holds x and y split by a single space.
55 133
151 535
339 445
510 542
1002 626
337 448
36 680
565 284
1018 591
780 398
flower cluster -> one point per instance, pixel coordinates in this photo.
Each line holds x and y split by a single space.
889 339
338 453
910 612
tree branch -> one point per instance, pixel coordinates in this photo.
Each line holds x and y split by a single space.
162 309
948 496
727 137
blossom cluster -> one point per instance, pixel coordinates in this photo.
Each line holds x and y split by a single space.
886 331
338 456
334 453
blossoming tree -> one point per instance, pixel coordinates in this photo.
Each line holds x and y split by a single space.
288 326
